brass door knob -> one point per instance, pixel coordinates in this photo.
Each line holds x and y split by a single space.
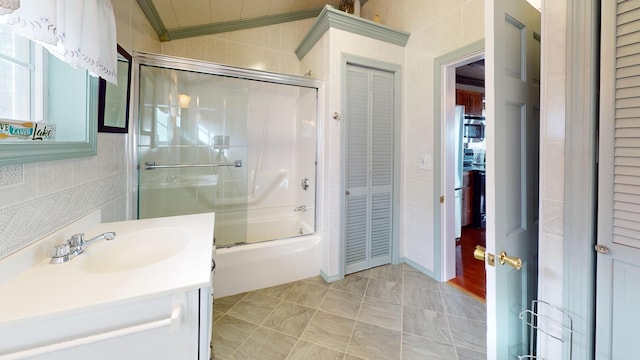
479 253
513 261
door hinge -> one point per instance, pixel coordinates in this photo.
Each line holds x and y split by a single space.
601 249
441 199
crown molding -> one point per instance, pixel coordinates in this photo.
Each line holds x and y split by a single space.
165 34
154 18
333 18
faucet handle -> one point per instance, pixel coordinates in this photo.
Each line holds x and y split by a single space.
61 250
76 239
60 254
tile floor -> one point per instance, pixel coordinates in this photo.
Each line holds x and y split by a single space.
389 312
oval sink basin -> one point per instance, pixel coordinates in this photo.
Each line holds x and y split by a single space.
134 250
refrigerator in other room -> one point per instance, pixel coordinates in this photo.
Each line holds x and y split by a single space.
458 156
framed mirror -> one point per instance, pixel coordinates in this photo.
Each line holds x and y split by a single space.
113 106
48 109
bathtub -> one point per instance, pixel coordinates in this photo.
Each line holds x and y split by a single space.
229 233
255 266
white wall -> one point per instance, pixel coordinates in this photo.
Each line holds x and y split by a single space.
39 198
437 28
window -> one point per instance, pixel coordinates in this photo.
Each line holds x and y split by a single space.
20 78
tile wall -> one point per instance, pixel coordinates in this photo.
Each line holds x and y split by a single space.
270 48
39 198
552 141
456 23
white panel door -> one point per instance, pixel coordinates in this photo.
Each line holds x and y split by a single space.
618 261
512 31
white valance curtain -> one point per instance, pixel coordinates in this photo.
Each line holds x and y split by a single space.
82 33
7 6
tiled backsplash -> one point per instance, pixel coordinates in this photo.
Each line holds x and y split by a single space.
38 198
11 175
31 207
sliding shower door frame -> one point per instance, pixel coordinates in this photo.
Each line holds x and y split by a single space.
203 67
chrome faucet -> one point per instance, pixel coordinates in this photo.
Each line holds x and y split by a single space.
76 246
302 208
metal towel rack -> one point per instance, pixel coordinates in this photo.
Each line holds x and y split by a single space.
151 165
558 327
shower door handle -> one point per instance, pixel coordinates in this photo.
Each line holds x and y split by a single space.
151 165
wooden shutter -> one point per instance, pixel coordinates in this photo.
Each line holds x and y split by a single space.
381 167
618 261
626 174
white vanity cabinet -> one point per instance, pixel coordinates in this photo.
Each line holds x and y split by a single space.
146 294
162 327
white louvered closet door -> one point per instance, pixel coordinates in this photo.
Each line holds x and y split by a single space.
368 202
618 261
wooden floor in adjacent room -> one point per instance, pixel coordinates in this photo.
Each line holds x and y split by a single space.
470 273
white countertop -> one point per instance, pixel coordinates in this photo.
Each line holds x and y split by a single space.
44 289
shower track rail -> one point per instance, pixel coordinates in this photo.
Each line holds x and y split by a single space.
151 165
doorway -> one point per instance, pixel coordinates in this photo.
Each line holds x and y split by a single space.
469 180
463 164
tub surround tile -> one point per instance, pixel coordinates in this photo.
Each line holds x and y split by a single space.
305 350
419 348
289 318
360 317
341 303
375 342
329 330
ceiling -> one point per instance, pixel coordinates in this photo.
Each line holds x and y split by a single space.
175 19
471 74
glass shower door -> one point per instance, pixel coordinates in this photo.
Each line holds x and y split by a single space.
192 130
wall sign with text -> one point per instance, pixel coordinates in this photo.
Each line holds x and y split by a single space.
26 131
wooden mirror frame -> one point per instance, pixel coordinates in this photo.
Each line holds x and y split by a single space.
108 91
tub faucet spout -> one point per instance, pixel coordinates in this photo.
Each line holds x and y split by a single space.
302 208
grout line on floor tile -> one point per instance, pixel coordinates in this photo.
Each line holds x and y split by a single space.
346 352
444 296
316 309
